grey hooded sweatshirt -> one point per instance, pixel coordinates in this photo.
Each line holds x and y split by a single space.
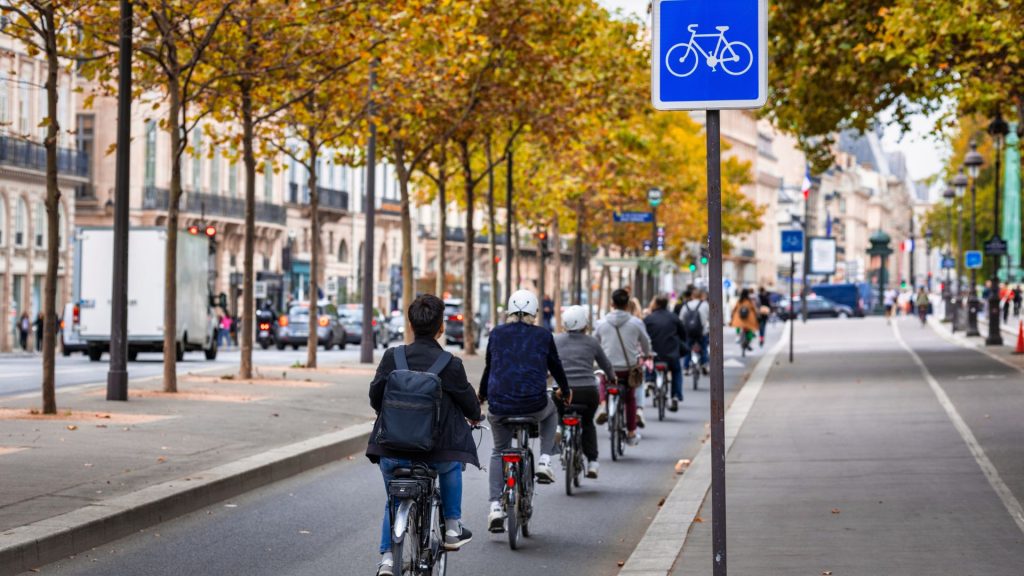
634 338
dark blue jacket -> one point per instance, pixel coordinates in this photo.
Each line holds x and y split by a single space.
519 357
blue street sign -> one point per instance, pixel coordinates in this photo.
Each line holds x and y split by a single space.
709 55
647 245
948 263
727 283
633 217
972 259
792 241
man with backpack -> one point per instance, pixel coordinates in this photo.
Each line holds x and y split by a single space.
694 315
423 401
667 336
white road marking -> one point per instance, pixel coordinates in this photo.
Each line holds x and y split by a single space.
991 473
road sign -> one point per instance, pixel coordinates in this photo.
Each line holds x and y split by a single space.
259 289
654 197
792 241
948 263
972 259
996 246
647 245
727 284
633 217
661 231
822 256
660 243
709 55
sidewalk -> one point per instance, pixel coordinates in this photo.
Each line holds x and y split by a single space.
850 461
99 470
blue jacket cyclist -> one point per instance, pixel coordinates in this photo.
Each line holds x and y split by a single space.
519 356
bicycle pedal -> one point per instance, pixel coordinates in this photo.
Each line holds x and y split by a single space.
498 530
544 481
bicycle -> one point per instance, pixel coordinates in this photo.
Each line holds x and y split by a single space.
659 389
616 410
417 522
725 53
517 468
572 447
695 363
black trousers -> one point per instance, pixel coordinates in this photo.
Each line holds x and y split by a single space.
586 399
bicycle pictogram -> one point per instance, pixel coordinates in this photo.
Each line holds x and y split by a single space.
735 57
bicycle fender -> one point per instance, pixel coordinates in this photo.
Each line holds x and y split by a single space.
401 521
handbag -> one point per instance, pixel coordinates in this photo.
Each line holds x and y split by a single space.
635 377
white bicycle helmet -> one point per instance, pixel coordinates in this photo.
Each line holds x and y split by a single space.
574 319
523 302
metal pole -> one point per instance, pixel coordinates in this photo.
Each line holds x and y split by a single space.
972 298
912 253
117 376
718 532
958 313
508 224
947 287
995 336
807 259
792 318
366 345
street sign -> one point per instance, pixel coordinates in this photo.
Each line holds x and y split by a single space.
259 289
822 256
709 55
654 197
661 231
633 217
996 246
792 241
972 259
727 284
948 263
660 243
647 245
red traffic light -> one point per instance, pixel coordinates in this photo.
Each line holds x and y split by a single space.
193 229
211 231
497 259
542 235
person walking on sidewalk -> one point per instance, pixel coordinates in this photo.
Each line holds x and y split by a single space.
519 357
454 447
621 336
38 325
764 310
744 319
667 335
24 325
578 352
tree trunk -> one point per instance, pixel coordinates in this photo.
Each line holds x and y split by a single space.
492 223
556 239
314 257
248 302
442 200
577 257
52 218
408 286
468 328
175 120
519 256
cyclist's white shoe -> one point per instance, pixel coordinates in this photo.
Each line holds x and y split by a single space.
455 539
496 518
545 474
386 567
633 440
592 468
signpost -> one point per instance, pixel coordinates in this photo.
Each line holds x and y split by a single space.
711 56
996 246
633 217
792 244
972 259
948 263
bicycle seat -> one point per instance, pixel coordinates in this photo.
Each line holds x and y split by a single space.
575 409
692 27
721 28
519 421
415 472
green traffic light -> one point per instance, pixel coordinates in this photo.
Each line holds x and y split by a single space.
693 267
704 260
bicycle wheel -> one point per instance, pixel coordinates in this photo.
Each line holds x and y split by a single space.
696 375
622 430
613 427
659 398
580 465
512 512
439 567
526 495
741 61
569 459
406 552
681 60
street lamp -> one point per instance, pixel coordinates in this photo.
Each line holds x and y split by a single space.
947 197
973 161
960 186
998 129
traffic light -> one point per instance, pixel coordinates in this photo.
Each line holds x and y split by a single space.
210 232
693 267
903 284
193 230
542 239
497 259
703 256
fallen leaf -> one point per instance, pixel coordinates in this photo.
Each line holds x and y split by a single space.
697 520
161 459
661 503
72 427
835 510
682 465
104 416
826 573
621 563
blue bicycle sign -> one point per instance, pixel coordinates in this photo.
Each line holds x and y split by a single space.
709 55
735 57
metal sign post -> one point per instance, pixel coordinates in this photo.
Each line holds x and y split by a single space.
711 56
792 243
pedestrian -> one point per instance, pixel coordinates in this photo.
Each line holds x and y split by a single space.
548 313
224 334
1017 296
24 325
38 325
744 319
764 310
889 301
1005 299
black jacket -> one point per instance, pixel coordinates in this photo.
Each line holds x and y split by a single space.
459 403
667 333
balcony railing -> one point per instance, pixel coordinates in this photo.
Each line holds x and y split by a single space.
154 198
329 198
31 155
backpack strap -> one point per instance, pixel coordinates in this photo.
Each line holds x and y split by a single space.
440 363
400 361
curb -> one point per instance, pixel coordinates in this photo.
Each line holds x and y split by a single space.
657 551
56 538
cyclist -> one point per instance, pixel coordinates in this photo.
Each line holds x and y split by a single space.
519 356
455 446
694 315
621 336
667 335
923 303
744 319
578 352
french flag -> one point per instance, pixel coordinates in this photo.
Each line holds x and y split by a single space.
807 183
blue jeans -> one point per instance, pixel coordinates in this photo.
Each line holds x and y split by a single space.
676 369
449 475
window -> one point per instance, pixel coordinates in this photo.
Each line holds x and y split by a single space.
268 181
233 179
24 83
343 251
150 153
197 160
39 229
266 262
20 222
215 171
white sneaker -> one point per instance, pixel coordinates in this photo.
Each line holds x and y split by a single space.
496 518
592 468
633 440
386 567
545 474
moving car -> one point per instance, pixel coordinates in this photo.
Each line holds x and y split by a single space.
352 318
293 327
70 339
848 295
817 307
454 323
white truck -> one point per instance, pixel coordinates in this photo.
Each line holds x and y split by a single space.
196 326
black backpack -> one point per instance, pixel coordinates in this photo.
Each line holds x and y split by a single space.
410 415
691 321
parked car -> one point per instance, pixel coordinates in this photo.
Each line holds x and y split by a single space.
848 295
817 307
70 339
454 323
396 327
352 318
293 327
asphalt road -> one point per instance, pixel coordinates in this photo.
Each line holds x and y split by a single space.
327 521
